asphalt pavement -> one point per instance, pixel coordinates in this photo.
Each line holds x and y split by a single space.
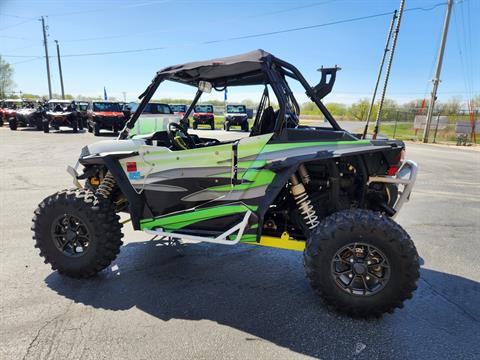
219 302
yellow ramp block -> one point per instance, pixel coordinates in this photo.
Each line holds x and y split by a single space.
280 243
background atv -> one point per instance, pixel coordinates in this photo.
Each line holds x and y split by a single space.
203 115
321 190
62 113
236 115
107 115
8 109
180 110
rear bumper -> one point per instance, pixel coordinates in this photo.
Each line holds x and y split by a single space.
405 179
236 120
203 119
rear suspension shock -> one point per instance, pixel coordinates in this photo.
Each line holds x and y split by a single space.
302 200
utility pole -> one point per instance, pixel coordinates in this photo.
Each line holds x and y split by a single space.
436 79
60 69
385 52
46 57
389 66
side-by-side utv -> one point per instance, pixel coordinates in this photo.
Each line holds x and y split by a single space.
322 190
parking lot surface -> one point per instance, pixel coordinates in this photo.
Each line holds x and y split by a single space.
220 302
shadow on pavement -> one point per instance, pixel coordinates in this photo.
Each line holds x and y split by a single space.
263 292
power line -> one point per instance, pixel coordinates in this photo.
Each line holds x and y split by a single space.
16 16
216 23
250 36
17 24
24 61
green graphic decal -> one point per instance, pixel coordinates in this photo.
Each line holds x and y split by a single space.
288 146
179 221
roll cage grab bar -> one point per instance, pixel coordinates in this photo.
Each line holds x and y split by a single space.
274 69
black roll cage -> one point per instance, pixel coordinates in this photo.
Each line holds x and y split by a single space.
275 70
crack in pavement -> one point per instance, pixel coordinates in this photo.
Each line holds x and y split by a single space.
40 330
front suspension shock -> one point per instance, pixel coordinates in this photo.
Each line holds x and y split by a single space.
107 186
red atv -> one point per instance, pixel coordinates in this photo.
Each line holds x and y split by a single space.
106 115
8 109
203 115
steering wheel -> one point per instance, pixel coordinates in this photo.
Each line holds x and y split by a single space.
179 137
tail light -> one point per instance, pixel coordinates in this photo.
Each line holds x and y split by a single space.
392 170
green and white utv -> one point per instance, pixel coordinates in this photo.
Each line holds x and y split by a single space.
320 190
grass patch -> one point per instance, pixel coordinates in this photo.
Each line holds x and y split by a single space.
405 131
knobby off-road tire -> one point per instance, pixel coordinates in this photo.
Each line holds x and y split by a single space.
337 232
12 123
96 129
46 127
99 221
75 125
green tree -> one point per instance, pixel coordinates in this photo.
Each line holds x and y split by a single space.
337 109
309 108
389 110
6 78
451 107
359 110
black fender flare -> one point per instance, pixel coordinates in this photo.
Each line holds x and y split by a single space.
136 202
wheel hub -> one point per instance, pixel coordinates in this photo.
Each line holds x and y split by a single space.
71 235
360 269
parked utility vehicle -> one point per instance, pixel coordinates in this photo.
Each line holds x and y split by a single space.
317 189
25 114
203 115
180 110
8 109
62 113
236 115
107 115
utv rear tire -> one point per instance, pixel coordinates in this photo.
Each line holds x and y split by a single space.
12 123
75 126
97 217
358 227
46 127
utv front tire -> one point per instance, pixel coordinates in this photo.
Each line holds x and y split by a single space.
12 123
361 263
76 233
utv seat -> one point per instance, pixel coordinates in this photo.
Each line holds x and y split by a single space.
267 122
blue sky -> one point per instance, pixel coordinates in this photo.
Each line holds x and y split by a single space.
184 27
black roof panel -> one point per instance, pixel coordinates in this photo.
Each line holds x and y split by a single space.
244 69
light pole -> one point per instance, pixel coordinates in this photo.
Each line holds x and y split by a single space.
436 79
60 69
